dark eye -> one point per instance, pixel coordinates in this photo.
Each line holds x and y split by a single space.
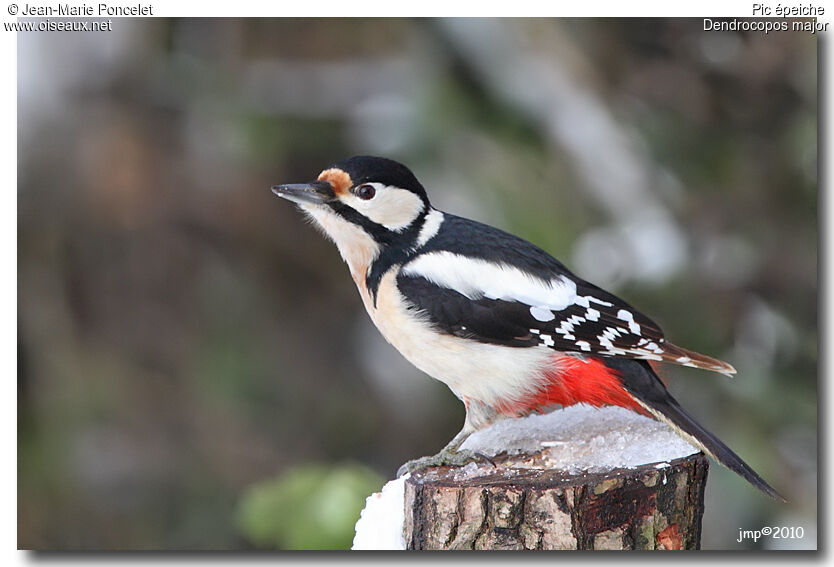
365 192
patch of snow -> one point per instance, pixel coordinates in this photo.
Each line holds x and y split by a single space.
553 443
380 524
469 470
583 438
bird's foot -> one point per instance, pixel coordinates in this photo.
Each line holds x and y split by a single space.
445 457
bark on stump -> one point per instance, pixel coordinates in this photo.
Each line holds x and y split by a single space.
518 507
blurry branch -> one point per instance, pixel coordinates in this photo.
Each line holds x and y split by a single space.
572 117
315 88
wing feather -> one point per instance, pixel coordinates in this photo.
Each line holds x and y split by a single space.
598 324
476 281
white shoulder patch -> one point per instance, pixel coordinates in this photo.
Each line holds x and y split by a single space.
431 225
476 278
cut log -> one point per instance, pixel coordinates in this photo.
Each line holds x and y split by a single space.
575 478
513 504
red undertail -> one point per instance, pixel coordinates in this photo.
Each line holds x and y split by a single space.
572 380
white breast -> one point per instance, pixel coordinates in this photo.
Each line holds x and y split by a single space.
356 247
475 371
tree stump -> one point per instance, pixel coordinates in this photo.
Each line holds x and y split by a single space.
513 504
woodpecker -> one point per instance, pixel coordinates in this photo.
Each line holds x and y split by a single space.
507 327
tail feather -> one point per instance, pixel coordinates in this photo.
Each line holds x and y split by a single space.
686 426
640 381
685 357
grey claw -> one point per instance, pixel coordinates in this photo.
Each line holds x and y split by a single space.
485 458
443 458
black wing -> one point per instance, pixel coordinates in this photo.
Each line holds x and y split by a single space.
484 320
511 323
597 323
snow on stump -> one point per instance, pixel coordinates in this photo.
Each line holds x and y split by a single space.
576 478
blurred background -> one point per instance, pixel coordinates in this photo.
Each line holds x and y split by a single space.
195 364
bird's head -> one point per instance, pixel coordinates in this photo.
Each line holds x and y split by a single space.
365 202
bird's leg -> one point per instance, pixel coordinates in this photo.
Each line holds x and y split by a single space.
452 455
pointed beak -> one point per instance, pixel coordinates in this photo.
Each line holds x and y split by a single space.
317 192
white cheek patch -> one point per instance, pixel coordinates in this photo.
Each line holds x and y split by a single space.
391 207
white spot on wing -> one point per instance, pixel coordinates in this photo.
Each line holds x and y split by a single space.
625 315
610 333
652 346
543 315
585 301
646 355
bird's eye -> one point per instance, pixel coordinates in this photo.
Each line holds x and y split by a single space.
365 192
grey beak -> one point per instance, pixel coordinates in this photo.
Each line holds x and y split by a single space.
317 192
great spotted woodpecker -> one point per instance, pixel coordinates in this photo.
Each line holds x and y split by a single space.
502 323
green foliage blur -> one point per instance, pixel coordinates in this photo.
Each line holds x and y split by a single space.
307 507
188 343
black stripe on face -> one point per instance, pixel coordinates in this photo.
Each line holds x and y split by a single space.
378 232
382 235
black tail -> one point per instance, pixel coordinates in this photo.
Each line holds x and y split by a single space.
643 384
